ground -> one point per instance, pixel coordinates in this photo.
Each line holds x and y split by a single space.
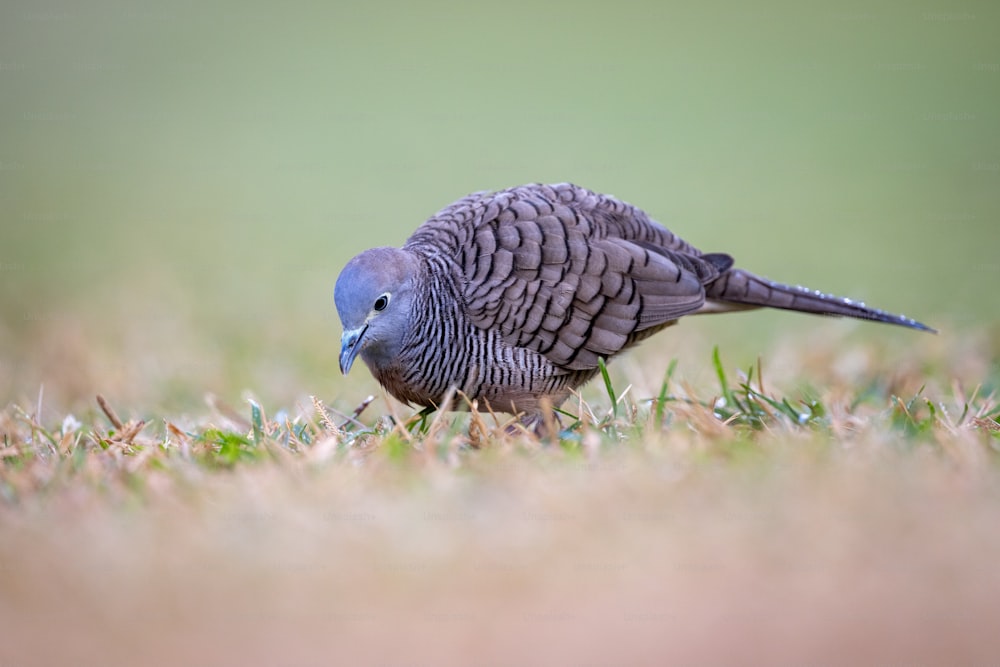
845 512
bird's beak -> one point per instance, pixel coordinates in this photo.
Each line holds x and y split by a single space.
350 345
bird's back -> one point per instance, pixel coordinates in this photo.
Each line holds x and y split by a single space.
453 228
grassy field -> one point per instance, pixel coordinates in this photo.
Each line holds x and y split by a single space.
843 511
180 185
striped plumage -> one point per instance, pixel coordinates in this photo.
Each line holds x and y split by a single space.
513 296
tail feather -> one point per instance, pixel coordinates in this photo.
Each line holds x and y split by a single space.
737 286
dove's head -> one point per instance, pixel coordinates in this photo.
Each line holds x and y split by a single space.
374 297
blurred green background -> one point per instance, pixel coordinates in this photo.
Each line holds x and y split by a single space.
181 183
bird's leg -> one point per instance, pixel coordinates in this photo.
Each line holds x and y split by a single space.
419 420
545 424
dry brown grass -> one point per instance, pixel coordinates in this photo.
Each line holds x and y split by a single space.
868 537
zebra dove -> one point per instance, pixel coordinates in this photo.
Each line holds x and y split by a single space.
512 297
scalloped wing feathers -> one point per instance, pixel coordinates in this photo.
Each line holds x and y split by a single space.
566 272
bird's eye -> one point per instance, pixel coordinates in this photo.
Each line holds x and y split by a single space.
382 302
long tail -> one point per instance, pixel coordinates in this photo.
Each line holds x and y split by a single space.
737 286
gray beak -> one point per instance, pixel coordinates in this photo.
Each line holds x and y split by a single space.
350 345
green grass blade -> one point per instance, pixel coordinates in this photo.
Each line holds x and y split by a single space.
661 399
257 420
608 386
720 372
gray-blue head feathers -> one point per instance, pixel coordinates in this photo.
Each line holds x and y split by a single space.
374 295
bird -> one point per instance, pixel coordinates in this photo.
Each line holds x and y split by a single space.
514 297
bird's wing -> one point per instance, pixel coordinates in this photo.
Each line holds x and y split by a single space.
568 273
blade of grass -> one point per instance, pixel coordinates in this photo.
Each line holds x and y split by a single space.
257 421
608 386
661 399
720 372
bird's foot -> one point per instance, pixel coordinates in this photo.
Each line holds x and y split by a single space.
543 425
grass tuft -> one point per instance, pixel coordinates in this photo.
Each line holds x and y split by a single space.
741 415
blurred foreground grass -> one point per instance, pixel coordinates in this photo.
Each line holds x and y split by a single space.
179 186
844 510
